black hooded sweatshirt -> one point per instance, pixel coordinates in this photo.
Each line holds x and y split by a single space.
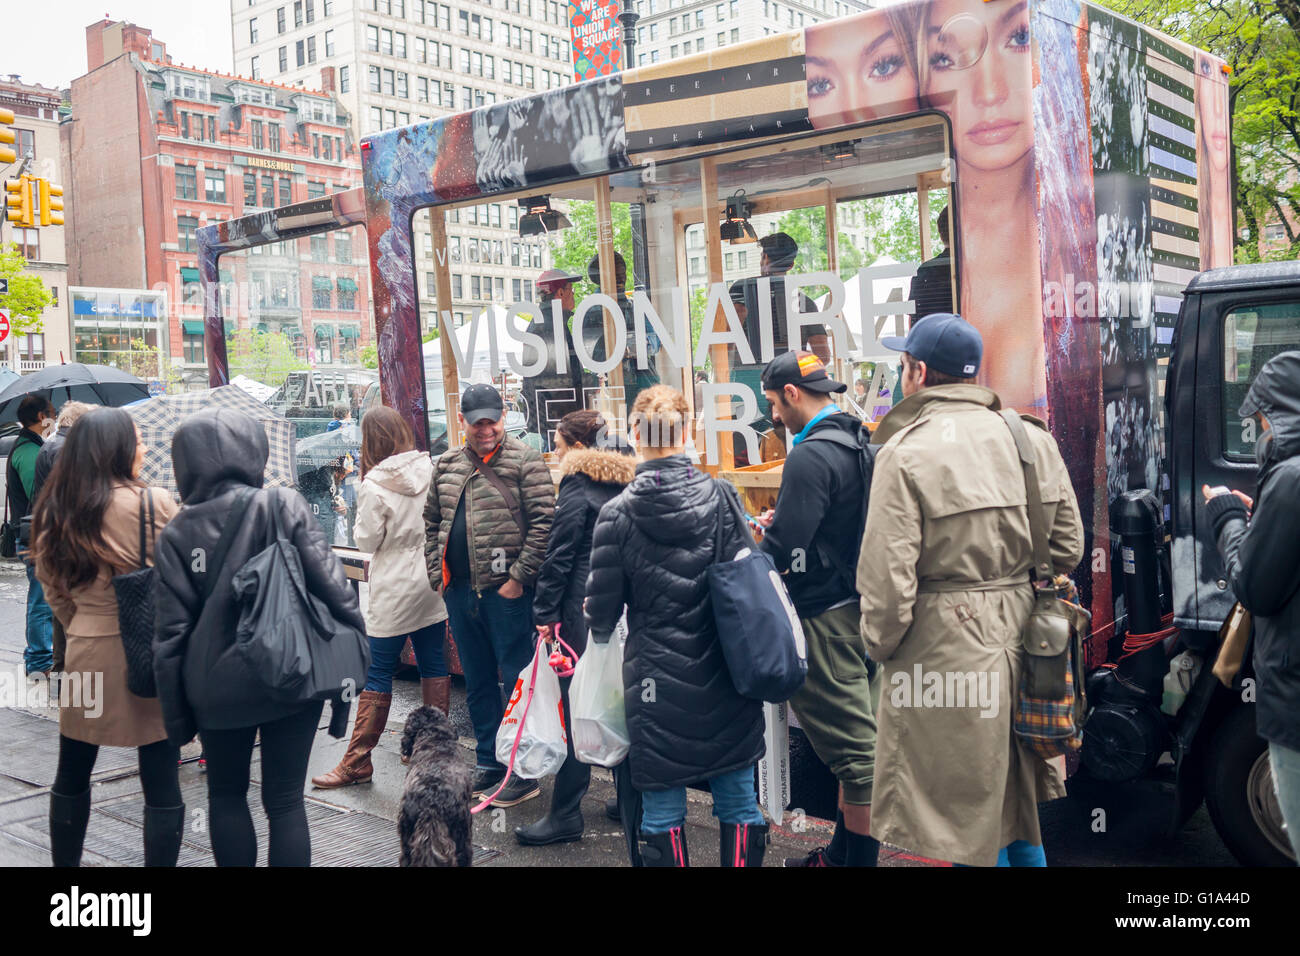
202 680
651 547
1262 555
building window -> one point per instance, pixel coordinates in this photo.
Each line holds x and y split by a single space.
329 42
300 51
29 243
214 185
347 300
268 192
192 347
252 30
342 248
283 55
315 190
187 183
297 13
286 192
250 189
186 228
255 127
311 12
275 137
345 79
735 35
279 20
320 293
372 39
311 49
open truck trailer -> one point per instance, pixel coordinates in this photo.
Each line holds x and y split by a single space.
1082 162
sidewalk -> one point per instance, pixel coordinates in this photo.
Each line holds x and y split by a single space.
353 826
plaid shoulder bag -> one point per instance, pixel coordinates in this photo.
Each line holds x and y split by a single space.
1050 704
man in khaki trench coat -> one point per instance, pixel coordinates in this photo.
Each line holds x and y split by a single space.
944 579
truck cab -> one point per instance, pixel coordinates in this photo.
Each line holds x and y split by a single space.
1233 320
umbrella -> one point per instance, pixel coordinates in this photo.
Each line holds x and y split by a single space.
159 418
7 377
73 382
319 450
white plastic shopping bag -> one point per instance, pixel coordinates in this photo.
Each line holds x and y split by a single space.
542 745
774 768
596 702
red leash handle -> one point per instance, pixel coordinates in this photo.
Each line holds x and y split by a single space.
519 734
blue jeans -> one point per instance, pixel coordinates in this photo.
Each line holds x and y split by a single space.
492 635
1285 764
734 801
386 655
39 653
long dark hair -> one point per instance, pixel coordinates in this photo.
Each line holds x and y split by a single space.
384 432
68 520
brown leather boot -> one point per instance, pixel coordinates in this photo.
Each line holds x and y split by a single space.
436 692
355 767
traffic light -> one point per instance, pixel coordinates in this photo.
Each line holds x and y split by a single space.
51 203
7 155
18 201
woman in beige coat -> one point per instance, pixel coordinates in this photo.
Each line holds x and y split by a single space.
86 529
395 478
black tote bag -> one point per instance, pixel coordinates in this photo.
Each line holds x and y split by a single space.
135 592
288 637
758 628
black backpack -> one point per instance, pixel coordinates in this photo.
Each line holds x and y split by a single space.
866 453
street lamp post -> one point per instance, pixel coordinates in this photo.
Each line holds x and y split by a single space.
628 18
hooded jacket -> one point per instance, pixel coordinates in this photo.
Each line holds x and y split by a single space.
202 680
1261 551
651 547
591 477
390 525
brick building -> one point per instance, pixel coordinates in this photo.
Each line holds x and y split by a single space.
36 125
157 150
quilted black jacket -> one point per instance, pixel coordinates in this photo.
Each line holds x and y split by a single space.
651 547
202 680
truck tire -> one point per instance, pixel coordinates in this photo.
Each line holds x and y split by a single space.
1239 793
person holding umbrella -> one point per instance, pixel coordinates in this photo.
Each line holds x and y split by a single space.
35 413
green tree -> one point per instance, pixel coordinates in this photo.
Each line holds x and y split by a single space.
266 357
572 249
370 356
1260 41
27 297
149 362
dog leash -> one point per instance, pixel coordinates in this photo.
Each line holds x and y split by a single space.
532 683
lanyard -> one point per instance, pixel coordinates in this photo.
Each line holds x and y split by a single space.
826 411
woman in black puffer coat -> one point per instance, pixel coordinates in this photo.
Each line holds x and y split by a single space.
651 549
594 471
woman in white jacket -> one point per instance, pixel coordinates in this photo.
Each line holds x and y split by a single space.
395 479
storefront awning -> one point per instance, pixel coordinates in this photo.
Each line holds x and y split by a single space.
260 327
349 332
320 283
192 326
324 332
189 275
227 275
230 326
347 285
292 331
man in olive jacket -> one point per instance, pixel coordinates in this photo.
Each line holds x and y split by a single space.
486 520
944 579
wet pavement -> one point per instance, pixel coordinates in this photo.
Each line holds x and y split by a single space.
355 825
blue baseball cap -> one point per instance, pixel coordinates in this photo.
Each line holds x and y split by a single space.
945 342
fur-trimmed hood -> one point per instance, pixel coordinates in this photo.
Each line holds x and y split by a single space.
609 467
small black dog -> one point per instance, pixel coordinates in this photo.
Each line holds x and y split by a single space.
434 818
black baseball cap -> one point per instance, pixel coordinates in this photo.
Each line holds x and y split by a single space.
480 402
803 369
945 342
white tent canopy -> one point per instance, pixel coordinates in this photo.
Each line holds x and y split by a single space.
887 288
257 389
486 328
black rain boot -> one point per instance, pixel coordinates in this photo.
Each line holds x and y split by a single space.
611 809
68 819
163 830
563 822
665 849
742 844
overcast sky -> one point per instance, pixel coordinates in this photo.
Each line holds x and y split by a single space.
49 46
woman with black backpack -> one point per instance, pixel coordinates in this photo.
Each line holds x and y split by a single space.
204 683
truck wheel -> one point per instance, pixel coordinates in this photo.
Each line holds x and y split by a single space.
1239 793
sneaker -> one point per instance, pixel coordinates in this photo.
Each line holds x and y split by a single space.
203 764
817 857
517 790
486 779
